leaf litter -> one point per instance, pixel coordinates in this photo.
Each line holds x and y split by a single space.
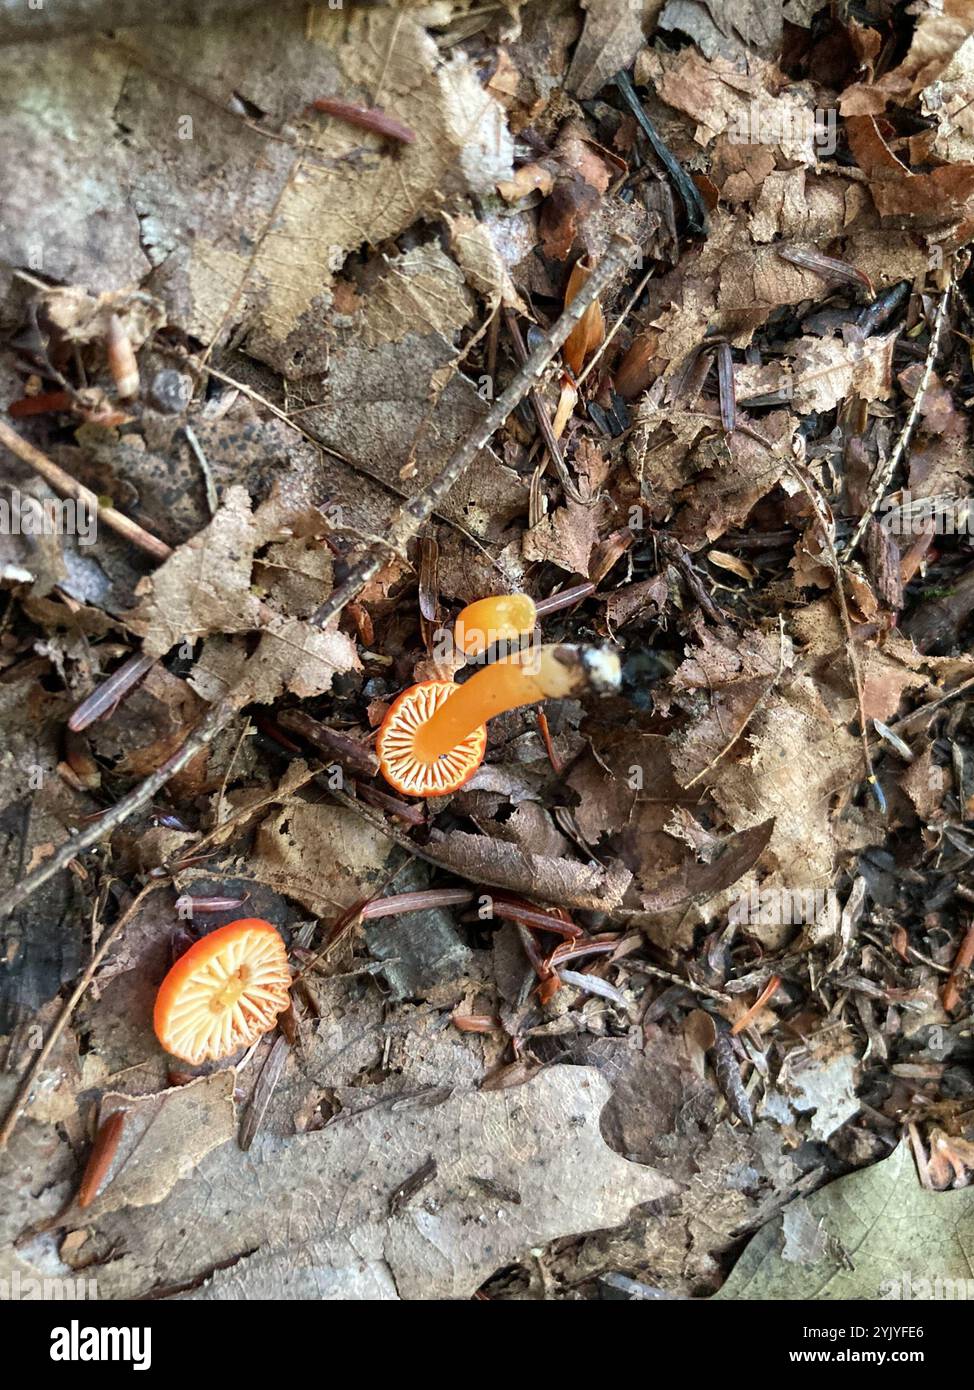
702 946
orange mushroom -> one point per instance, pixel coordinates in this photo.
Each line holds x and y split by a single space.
224 993
434 737
499 619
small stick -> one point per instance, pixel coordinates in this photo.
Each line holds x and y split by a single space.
216 717
212 500
892 463
108 694
541 415
643 968
850 642
70 487
818 511
20 1100
417 512
962 964
633 300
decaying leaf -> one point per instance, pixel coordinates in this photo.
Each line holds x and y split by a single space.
887 1238
163 1139
516 1168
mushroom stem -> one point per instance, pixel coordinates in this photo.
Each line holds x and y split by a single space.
537 673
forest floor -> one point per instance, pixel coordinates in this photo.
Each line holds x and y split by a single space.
673 996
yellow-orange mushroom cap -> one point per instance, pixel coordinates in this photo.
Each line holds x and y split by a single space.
433 739
490 620
224 993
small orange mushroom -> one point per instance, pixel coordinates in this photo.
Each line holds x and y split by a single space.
224 993
499 619
412 772
434 737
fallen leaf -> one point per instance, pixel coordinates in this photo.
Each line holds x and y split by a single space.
543 1168
902 1241
163 1139
612 37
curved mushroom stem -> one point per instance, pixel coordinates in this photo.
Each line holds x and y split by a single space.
553 672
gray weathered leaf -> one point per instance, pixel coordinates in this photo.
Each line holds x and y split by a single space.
886 1237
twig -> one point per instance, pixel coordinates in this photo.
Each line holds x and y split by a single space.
900 447
217 715
70 487
541 415
212 500
934 705
644 968
959 971
818 508
415 513
194 364
21 1099
850 641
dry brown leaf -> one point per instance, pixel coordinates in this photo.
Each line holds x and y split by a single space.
613 35
720 97
481 262
205 589
322 856
697 881
163 1138
566 538
561 882
931 199
421 291
205 586
825 371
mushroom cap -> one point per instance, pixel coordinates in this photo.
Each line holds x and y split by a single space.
402 767
500 618
224 993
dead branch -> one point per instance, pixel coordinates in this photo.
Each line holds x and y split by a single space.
892 463
216 717
70 487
